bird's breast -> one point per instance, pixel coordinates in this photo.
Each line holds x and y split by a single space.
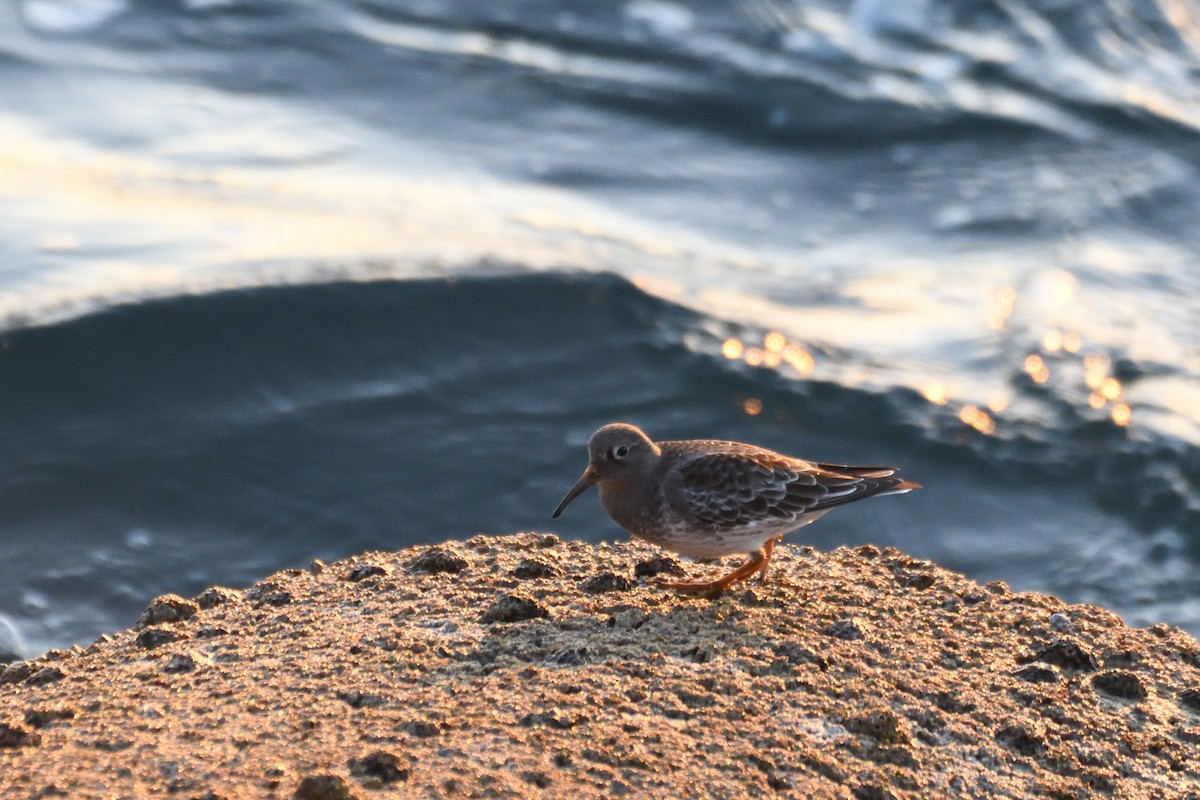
632 507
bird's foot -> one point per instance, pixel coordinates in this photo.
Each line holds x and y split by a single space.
696 588
757 564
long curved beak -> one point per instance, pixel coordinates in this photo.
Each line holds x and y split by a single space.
586 480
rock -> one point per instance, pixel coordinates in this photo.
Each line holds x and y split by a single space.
180 662
659 565
217 596
848 629
1022 739
606 582
569 657
41 717
535 568
356 699
1120 683
268 593
798 654
168 608
364 571
324 787
274 777
210 631
276 599
438 559
1063 653
883 725
974 597
539 779
421 728
1038 673
381 765
1121 658
154 637
780 782
633 694
17 671
550 719
14 736
45 675
514 608
918 581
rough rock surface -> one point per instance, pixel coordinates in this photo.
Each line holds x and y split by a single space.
852 674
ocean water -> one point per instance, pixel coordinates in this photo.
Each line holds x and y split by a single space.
287 280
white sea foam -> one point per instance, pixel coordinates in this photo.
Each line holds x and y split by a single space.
70 16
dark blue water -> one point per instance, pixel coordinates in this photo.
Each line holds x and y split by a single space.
283 281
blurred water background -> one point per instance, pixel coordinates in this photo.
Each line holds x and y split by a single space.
284 280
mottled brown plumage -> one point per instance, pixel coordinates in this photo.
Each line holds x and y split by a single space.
707 498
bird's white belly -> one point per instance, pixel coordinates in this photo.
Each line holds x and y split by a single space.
716 543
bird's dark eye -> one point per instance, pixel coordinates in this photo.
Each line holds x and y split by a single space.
620 451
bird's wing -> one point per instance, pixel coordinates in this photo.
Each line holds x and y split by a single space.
747 486
849 484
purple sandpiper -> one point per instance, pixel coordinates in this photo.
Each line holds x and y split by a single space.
706 499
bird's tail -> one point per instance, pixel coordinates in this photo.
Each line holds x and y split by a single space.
848 483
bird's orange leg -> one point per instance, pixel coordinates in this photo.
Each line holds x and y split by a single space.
768 549
758 563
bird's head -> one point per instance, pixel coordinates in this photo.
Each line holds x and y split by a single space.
615 452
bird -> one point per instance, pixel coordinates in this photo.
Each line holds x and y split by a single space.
706 498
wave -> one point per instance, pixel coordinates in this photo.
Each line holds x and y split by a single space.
175 443
774 69
163 379
777 69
